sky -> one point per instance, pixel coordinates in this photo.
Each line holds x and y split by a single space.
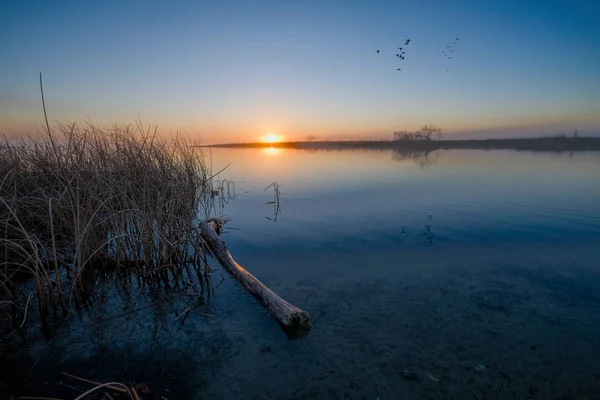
229 71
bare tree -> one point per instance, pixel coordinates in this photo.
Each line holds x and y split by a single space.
428 132
403 135
425 133
310 138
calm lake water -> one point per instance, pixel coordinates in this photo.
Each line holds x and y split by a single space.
476 274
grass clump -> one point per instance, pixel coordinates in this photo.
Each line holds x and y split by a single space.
83 201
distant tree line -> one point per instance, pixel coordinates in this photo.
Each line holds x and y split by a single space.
425 133
563 135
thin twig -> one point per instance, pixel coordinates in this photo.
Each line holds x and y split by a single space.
118 389
26 308
183 314
119 315
227 166
71 387
201 313
110 385
44 105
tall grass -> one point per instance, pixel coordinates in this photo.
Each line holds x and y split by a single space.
84 201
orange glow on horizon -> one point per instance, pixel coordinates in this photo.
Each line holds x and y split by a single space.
271 138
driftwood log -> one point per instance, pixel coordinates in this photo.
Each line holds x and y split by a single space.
288 315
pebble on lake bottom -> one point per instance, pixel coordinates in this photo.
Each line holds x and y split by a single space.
409 375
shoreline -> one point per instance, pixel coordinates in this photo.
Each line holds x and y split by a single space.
559 144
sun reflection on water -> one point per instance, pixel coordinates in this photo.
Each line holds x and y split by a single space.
272 151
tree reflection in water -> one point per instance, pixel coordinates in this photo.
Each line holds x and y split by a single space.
423 158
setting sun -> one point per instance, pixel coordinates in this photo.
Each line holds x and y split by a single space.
271 138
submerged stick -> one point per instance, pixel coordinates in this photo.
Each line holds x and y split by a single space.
201 313
116 388
111 385
287 314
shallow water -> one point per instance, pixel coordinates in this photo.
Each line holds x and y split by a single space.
435 263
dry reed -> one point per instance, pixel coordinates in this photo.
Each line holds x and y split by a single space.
86 201
275 201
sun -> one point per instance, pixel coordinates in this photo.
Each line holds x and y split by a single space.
271 138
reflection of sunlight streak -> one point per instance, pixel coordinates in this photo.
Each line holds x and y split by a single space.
272 151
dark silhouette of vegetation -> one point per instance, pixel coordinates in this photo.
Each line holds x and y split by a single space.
563 135
548 144
87 202
426 133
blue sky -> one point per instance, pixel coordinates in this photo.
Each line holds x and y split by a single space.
236 70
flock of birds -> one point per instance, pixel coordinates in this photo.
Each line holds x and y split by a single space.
401 54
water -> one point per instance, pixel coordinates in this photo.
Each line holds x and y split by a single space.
476 271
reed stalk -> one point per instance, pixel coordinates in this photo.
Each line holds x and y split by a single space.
84 201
